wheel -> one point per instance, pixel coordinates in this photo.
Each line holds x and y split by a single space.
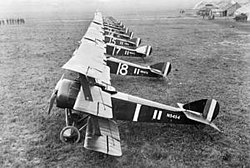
70 134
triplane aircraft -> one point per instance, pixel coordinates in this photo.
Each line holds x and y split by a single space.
134 42
120 67
87 94
120 42
111 25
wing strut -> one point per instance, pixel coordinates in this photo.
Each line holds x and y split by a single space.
85 87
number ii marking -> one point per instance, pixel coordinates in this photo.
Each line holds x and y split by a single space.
136 71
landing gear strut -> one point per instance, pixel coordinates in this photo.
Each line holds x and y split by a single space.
75 122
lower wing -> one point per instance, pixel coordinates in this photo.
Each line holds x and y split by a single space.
102 135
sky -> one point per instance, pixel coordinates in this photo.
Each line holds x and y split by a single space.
15 6
29 7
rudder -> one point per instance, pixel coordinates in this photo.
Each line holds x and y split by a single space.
209 108
131 34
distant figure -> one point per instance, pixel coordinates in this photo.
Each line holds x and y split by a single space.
210 15
12 21
203 15
22 21
182 11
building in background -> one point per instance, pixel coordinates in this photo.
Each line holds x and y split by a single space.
228 7
245 9
218 9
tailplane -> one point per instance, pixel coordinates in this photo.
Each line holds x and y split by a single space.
163 68
137 41
203 111
144 50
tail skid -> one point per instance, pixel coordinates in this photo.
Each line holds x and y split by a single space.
200 119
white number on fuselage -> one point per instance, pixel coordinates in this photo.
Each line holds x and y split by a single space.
122 69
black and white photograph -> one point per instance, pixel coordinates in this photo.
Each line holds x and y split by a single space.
125 84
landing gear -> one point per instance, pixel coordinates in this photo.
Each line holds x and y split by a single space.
70 134
75 122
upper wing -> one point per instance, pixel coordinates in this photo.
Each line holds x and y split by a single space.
102 135
98 18
89 61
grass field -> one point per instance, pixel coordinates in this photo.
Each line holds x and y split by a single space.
210 59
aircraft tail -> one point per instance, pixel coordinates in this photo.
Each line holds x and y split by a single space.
163 68
203 111
126 30
137 41
131 34
122 25
144 50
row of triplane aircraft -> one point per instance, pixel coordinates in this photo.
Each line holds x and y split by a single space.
91 103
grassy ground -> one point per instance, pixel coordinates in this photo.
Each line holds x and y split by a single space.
210 59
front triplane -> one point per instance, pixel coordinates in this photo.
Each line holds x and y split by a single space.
131 108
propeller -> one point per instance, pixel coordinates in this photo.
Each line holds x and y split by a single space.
52 100
54 94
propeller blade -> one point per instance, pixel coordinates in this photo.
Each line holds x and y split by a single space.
54 94
52 100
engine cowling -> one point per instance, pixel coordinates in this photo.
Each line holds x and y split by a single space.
67 93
